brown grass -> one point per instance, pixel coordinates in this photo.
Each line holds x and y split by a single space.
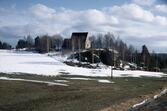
125 105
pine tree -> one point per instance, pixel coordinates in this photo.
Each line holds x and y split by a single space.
145 57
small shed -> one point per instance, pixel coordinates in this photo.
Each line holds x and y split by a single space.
80 41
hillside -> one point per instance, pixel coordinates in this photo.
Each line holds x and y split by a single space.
42 64
158 103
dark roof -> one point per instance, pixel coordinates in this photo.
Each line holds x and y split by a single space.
79 34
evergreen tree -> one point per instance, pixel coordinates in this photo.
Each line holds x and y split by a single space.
0 45
21 44
37 43
145 57
6 46
30 42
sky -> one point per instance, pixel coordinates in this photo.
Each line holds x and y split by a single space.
137 22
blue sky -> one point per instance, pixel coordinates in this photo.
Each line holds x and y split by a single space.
71 4
137 22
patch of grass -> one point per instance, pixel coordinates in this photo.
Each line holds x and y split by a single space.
158 104
80 95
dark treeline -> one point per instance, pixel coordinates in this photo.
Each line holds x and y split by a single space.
27 42
144 59
44 43
110 41
158 61
5 45
152 61
48 43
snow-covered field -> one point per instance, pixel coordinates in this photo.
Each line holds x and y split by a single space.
34 63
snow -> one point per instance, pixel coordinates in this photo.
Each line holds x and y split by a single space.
33 63
79 78
61 81
156 96
98 80
139 104
104 81
34 81
148 101
162 93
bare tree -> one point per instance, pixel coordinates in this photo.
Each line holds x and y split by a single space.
99 41
108 40
57 41
30 42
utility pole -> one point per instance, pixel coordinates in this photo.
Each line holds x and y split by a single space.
47 44
113 63
113 56
156 62
111 72
72 48
79 48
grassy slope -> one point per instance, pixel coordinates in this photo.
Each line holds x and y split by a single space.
159 104
79 96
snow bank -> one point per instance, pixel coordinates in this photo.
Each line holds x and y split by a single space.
34 81
61 81
139 104
104 81
79 78
98 80
162 93
42 64
150 101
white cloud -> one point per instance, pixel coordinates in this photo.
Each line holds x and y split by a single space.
65 19
94 16
133 11
130 21
161 20
137 13
42 11
161 8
